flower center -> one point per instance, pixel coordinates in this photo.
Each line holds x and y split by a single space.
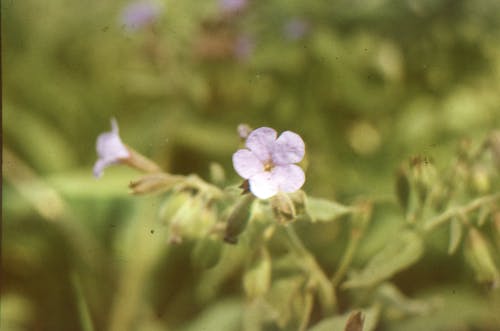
268 166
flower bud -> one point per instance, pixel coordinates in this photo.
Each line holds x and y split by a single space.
238 219
424 175
403 188
283 208
244 130
355 322
480 180
206 253
172 204
154 183
217 174
478 255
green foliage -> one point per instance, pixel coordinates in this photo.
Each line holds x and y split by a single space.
397 103
399 253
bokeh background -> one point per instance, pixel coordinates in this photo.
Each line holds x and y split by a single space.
367 84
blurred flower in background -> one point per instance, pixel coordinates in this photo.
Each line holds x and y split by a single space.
139 14
232 6
244 47
295 29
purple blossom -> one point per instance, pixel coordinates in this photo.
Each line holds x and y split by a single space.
244 47
295 29
140 13
110 149
269 162
232 6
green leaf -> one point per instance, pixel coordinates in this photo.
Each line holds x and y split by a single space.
223 315
325 210
206 253
455 235
478 254
399 253
257 279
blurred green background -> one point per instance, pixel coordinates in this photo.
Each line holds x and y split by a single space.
367 84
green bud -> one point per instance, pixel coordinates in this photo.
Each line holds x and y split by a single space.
172 204
283 208
206 253
403 188
257 278
423 174
154 183
478 255
238 219
217 174
480 180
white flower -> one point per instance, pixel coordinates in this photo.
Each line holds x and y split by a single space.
268 162
110 149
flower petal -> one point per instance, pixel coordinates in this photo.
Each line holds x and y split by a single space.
261 141
246 163
263 185
110 149
289 177
288 148
99 166
109 145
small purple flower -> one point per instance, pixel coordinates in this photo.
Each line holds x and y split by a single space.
268 163
243 47
140 13
232 6
110 149
295 29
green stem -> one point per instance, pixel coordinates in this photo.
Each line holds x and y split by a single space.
347 257
83 308
308 305
448 214
310 265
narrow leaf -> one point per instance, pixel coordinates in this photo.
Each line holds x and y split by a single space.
455 235
399 253
324 210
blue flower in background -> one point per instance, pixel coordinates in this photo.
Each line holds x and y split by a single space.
295 29
232 6
243 47
139 14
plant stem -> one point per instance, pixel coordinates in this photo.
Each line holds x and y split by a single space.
347 257
308 304
83 308
448 214
310 265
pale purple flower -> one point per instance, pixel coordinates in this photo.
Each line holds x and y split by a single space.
295 29
232 6
269 162
110 149
140 13
244 47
